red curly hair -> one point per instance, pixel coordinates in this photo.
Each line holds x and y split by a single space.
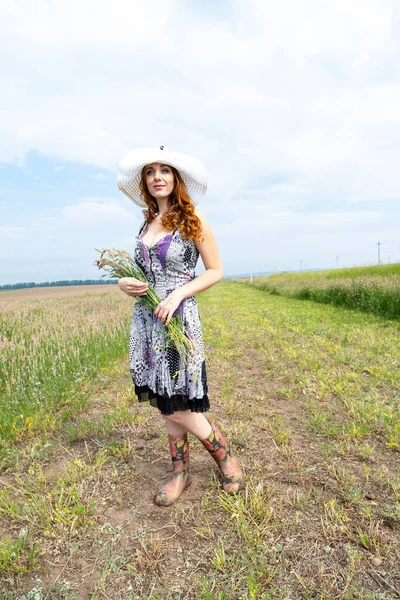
181 209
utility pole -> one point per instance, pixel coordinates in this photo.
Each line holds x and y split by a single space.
337 259
301 265
379 252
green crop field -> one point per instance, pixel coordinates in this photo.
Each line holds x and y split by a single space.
49 345
369 289
307 393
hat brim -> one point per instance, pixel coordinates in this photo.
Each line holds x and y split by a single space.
190 169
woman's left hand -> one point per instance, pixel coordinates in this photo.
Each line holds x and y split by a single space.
167 307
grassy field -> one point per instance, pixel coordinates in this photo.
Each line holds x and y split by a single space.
369 289
308 394
49 344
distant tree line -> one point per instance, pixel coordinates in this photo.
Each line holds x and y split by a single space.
65 282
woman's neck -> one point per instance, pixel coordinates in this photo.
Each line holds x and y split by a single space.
162 206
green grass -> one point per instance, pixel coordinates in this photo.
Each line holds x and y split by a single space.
368 289
20 556
342 362
372 271
50 347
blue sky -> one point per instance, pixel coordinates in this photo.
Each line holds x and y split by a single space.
292 107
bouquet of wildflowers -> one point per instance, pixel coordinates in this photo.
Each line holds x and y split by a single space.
119 263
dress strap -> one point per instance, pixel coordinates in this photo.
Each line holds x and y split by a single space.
142 227
176 228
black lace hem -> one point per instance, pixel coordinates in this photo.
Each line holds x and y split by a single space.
169 404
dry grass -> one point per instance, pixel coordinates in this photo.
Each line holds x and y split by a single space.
56 291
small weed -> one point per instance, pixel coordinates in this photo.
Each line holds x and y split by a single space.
298 499
18 557
335 519
354 430
237 409
280 434
238 434
343 477
365 451
220 561
47 506
372 539
251 511
148 556
122 450
83 429
206 531
326 450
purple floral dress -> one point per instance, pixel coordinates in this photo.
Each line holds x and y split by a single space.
158 373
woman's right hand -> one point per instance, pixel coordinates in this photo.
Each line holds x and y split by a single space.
132 286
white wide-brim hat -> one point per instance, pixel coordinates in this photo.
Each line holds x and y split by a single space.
190 169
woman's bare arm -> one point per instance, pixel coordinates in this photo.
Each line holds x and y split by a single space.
212 261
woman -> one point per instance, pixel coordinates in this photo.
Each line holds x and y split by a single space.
167 184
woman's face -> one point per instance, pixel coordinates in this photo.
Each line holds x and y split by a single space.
159 180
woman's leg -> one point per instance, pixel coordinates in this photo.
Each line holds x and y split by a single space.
210 436
186 420
213 440
174 428
179 449
178 425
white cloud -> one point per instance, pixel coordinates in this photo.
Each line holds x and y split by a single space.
294 83
96 213
126 23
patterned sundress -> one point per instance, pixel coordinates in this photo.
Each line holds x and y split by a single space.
159 374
